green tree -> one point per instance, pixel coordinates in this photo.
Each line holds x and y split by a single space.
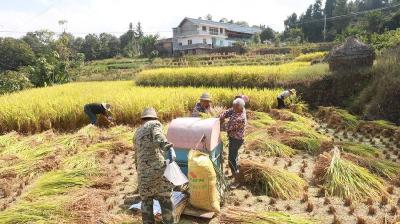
224 20
341 9
291 21
14 53
256 38
91 47
267 34
375 22
12 81
318 23
139 30
242 23
40 41
109 46
130 42
77 44
147 44
294 35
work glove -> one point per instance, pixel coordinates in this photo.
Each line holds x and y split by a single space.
171 155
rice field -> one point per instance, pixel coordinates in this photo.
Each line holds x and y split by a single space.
233 76
61 107
88 176
54 168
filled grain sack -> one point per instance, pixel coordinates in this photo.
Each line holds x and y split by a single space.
202 182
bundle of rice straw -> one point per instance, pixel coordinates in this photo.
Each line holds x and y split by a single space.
381 167
235 215
259 141
344 179
274 182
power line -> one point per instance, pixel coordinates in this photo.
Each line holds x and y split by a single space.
348 15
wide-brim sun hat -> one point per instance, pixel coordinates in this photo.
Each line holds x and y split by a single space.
149 113
205 96
106 106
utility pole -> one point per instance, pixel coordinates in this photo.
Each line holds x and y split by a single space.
63 24
324 28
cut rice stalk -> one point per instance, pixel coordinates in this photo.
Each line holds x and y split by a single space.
359 149
344 179
274 182
269 147
310 145
381 167
235 215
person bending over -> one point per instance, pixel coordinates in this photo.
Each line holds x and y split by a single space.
94 109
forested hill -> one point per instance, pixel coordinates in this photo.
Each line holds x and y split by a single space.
344 18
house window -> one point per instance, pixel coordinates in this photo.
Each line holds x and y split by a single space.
180 44
221 43
204 41
189 42
204 28
221 30
213 31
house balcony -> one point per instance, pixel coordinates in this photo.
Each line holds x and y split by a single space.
177 33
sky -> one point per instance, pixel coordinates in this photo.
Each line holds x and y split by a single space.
113 16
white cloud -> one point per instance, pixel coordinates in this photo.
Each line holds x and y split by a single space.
97 16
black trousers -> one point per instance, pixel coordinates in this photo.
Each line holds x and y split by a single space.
281 103
234 146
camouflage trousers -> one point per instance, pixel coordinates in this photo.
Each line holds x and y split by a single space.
166 209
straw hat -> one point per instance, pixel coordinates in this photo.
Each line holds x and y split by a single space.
149 113
293 91
106 106
205 96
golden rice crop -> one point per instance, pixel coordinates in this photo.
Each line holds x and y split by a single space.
311 56
61 107
232 76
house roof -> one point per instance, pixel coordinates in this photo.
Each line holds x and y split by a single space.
227 26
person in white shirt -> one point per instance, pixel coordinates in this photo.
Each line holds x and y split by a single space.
285 94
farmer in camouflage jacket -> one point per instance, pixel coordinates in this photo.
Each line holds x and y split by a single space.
150 145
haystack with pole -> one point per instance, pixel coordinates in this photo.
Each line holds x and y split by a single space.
351 54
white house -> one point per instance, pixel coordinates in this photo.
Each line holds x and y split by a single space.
194 36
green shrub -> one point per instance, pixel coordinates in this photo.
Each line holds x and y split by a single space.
11 81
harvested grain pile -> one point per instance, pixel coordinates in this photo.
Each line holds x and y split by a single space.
344 179
235 215
274 182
